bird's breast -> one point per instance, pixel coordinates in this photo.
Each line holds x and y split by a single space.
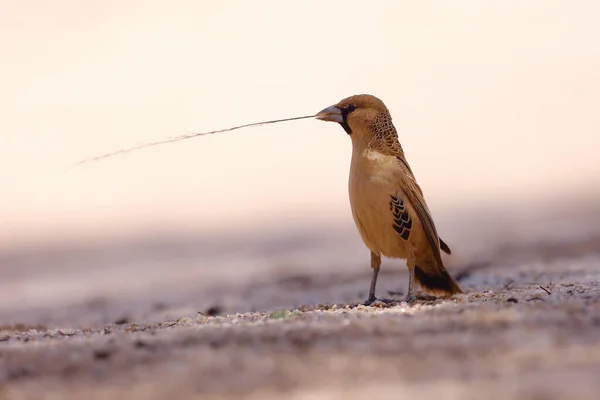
373 179
370 169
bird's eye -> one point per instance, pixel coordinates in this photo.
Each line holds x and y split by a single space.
351 108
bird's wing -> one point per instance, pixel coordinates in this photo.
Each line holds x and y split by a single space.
445 248
416 199
414 194
402 219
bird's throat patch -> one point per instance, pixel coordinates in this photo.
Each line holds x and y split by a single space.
346 127
345 112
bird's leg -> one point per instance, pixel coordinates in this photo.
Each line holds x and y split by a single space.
375 264
372 297
410 297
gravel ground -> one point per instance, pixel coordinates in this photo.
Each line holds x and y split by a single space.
527 331
270 322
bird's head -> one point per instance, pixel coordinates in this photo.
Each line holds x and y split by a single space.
356 114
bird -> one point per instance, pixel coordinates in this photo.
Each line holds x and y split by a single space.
387 203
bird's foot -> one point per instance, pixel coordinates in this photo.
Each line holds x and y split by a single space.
375 302
410 299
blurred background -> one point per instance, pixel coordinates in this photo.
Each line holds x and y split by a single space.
496 105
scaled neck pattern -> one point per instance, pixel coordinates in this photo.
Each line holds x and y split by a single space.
385 138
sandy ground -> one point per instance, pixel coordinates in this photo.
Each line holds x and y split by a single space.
528 325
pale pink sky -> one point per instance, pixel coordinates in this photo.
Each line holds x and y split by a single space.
491 100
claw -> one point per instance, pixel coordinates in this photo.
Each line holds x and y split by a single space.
410 299
370 301
375 300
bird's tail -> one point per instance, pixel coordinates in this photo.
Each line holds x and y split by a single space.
440 284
